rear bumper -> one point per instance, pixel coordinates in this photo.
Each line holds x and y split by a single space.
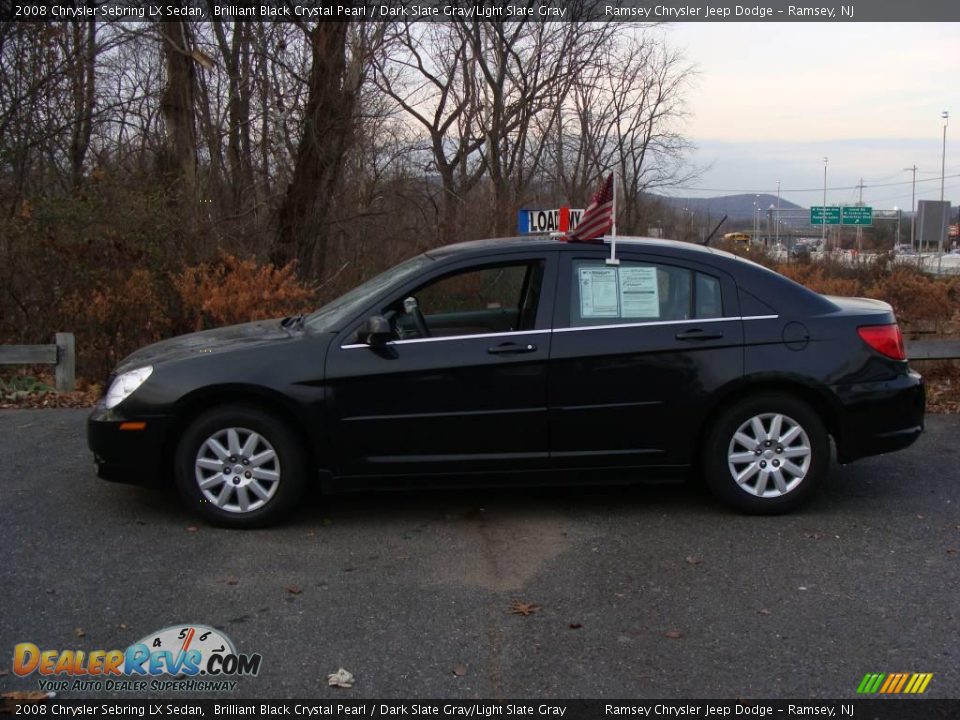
128 453
880 417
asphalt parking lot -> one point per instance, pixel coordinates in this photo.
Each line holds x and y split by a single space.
646 592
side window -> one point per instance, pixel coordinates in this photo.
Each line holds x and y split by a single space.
709 301
492 299
640 292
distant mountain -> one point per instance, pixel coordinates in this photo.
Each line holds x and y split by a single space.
736 206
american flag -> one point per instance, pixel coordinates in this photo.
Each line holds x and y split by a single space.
597 219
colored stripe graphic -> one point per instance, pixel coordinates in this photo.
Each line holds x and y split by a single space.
894 683
900 683
891 681
871 683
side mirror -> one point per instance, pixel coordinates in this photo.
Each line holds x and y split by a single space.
375 330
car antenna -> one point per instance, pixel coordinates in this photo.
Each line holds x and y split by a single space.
710 236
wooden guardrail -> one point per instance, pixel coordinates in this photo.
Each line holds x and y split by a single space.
62 354
933 350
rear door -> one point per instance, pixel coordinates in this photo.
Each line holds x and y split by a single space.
637 350
469 398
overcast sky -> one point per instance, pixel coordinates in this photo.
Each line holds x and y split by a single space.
772 99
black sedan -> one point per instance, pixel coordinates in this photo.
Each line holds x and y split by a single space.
523 360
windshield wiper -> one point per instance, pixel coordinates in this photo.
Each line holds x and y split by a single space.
294 321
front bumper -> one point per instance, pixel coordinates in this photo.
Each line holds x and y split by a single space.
126 452
880 417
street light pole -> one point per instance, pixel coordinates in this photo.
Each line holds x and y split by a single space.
943 157
777 231
823 218
943 166
913 206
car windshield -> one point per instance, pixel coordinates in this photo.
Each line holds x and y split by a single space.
331 315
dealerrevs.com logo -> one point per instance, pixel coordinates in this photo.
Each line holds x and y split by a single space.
185 657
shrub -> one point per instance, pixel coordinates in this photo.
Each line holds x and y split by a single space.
231 290
914 296
115 318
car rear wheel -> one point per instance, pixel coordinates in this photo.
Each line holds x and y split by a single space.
239 466
766 454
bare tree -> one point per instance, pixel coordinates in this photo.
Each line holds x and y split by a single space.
178 163
523 71
236 55
623 115
328 126
424 68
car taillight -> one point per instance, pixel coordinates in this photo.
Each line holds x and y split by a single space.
885 339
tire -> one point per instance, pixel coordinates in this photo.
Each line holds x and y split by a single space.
250 462
793 459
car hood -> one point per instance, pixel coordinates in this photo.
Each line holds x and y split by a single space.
207 342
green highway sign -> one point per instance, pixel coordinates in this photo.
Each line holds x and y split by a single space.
846 215
858 215
833 215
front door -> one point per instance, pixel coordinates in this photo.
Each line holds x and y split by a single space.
464 394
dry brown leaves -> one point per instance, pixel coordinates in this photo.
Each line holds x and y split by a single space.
519 607
86 395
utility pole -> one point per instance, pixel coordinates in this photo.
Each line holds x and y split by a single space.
777 229
859 228
823 218
943 168
913 206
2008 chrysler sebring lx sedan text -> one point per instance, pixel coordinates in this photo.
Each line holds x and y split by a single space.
517 356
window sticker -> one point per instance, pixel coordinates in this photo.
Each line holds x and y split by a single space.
598 292
639 292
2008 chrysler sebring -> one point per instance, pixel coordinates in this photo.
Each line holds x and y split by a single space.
516 356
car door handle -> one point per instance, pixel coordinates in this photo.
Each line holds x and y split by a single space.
511 349
698 334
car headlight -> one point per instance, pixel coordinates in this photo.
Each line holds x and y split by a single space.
124 385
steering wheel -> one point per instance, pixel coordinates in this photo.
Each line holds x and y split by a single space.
412 308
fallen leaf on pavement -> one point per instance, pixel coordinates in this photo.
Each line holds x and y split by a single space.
575 626
341 678
673 634
763 611
293 589
691 560
460 670
79 632
232 580
522 608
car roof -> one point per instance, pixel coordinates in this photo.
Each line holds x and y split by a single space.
537 242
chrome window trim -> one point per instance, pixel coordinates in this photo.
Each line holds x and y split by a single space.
646 323
514 333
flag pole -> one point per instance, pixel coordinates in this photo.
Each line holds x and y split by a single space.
612 260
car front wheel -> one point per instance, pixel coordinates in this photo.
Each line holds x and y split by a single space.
240 467
766 454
